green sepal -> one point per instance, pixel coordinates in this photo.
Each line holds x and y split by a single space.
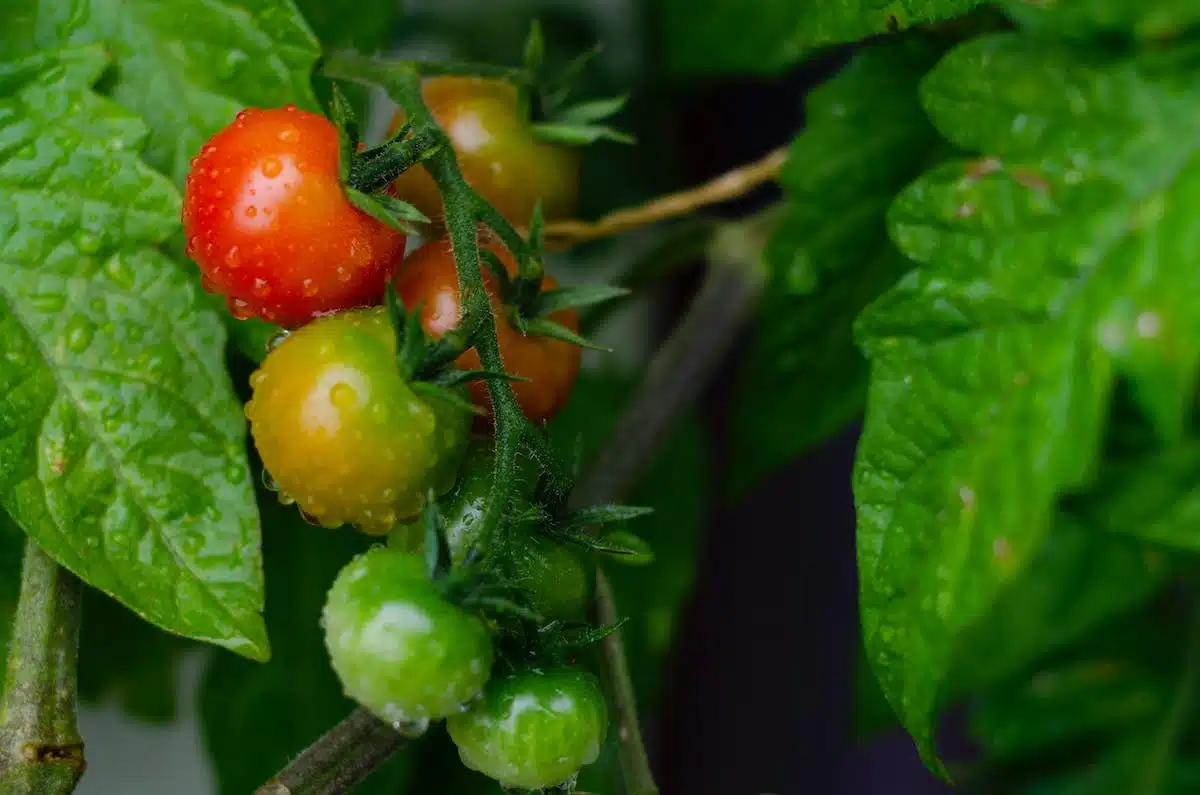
626 548
452 377
499 272
544 327
605 514
579 134
434 391
534 57
592 111
410 337
558 637
397 214
341 113
437 545
576 297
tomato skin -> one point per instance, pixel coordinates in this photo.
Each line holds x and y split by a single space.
342 433
497 153
428 276
270 226
399 648
534 729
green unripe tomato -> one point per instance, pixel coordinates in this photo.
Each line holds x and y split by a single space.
533 729
398 647
556 577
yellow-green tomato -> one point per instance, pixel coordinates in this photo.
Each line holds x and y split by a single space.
533 729
398 647
342 433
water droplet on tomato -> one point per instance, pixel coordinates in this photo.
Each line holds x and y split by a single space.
308 517
240 309
274 342
261 288
286 499
251 211
271 167
343 395
208 285
193 243
289 135
269 482
343 274
233 257
308 288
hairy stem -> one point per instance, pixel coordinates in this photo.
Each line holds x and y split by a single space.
728 186
339 760
41 752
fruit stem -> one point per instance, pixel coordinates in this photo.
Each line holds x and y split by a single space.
730 185
41 752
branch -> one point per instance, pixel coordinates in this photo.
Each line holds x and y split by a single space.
339 760
730 185
41 752
678 374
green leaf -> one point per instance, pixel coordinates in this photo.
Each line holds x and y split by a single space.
674 486
1044 275
1119 679
627 549
604 514
592 111
1141 19
256 718
1137 710
1156 498
185 67
367 28
121 442
768 36
803 380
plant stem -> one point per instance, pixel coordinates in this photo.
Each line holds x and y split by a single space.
339 760
679 372
41 752
728 186
513 74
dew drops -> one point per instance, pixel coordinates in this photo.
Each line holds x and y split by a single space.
274 342
79 333
269 482
261 288
310 518
88 243
343 274
343 396
271 167
286 499
47 302
308 288
240 309
251 211
289 135
208 285
233 257
411 727
380 412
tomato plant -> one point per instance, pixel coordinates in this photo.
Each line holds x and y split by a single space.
268 223
497 150
428 280
272 264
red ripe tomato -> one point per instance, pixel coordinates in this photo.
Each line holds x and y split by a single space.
428 276
498 154
269 225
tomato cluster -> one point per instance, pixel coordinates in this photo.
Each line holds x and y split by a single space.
354 434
